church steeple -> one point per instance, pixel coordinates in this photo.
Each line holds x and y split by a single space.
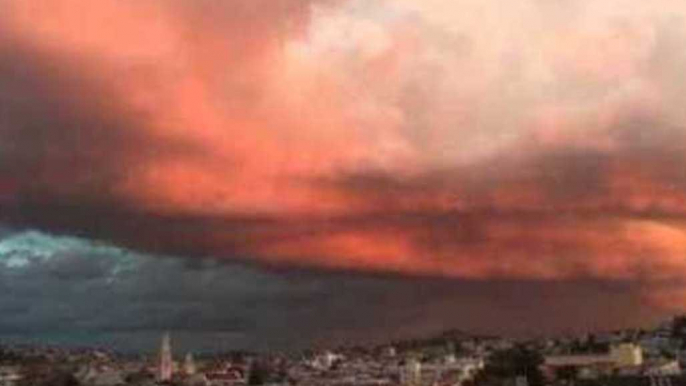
166 365
189 365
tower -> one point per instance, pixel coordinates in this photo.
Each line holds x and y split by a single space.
411 373
166 365
189 365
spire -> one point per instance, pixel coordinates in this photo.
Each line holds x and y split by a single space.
189 365
166 365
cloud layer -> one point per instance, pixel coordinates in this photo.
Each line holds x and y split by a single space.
69 290
455 139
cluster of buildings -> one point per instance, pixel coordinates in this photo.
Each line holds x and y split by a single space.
634 357
637 357
373 367
354 366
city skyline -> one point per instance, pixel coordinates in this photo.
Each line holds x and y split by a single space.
282 173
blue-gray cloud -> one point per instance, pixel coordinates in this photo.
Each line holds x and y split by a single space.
70 290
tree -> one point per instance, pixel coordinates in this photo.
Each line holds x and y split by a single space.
515 362
50 377
679 326
259 373
7 356
566 373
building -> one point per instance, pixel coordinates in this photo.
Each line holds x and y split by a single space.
634 381
232 376
10 375
622 355
662 367
166 365
94 376
411 373
189 367
626 355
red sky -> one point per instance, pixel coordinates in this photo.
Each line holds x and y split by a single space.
464 139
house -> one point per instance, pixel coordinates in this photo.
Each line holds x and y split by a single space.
10 375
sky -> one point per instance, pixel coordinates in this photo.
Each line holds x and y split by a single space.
280 173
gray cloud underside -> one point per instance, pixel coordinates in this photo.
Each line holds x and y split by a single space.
91 294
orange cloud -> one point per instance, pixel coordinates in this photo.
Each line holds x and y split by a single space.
422 138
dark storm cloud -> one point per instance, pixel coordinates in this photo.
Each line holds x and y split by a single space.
98 291
306 135
95 294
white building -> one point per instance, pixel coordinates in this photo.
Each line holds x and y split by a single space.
166 364
411 373
325 360
189 367
90 375
10 375
663 368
